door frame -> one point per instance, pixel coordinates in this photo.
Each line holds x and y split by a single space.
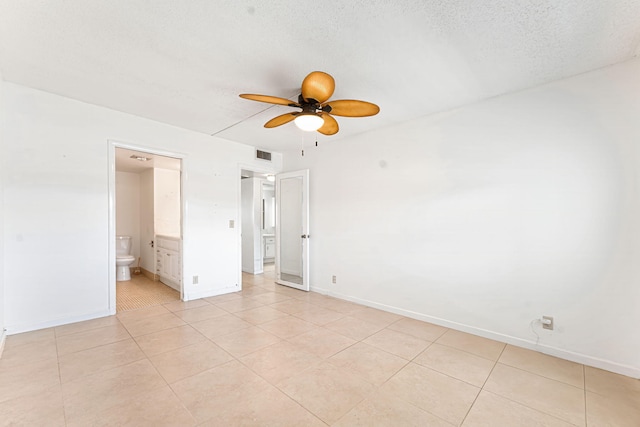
111 147
252 168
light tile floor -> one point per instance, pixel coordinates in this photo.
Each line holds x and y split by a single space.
272 355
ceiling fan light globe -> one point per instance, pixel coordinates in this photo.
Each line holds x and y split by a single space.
309 122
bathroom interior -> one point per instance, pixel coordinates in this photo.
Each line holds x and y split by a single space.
148 229
258 210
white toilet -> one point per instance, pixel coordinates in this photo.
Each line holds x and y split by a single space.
123 258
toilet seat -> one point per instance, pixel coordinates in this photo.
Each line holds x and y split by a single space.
125 258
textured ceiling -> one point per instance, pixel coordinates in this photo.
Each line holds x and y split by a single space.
184 62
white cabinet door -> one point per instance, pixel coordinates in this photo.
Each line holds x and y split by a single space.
166 264
174 267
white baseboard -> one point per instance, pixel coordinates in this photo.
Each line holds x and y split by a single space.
27 327
188 296
607 365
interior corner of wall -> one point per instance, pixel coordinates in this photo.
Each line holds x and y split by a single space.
3 339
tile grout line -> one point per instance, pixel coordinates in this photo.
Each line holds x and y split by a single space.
483 384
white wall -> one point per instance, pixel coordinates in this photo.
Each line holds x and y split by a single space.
251 237
2 179
57 205
490 216
167 202
128 209
268 195
246 189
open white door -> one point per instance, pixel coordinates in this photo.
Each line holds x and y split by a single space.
292 229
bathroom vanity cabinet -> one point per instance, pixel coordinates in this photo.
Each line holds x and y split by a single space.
169 261
269 247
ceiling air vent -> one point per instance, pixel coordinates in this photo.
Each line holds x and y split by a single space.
264 155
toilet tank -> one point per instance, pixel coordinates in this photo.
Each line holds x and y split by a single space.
123 245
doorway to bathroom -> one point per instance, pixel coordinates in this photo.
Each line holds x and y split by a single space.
146 209
258 222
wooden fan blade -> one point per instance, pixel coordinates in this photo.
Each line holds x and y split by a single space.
280 120
352 108
330 126
270 99
318 86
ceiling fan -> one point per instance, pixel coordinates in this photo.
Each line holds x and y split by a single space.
317 111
